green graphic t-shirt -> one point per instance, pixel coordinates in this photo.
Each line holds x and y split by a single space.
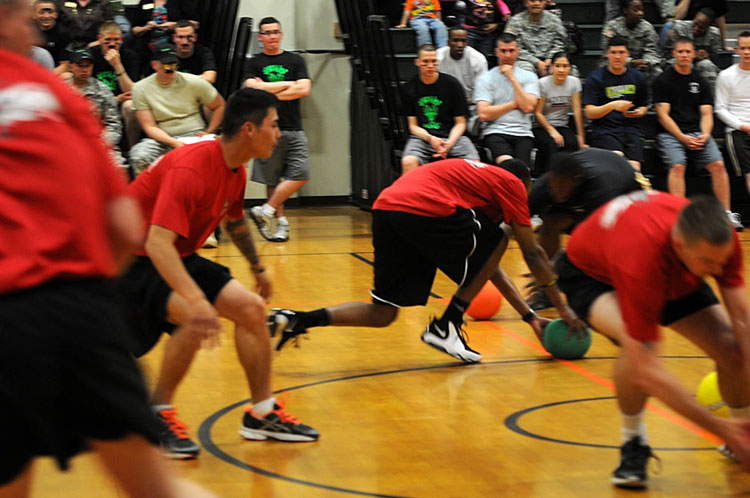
435 106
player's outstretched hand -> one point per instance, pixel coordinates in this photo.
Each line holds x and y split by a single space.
736 434
203 322
263 285
575 325
538 324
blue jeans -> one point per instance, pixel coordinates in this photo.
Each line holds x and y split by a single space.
423 26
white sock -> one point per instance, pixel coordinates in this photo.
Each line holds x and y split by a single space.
263 407
743 412
281 220
158 408
268 210
633 425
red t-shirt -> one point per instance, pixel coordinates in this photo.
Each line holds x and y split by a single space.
438 188
189 190
56 180
627 244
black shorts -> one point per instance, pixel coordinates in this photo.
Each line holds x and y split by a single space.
145 295
581 291
518 147
66 375
628 143
409 249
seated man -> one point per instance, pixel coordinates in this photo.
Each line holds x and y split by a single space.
81 67
643 42
706 39
506 96
484 20
576 185
462 62
425 17
733 107
194 58
684 105
540 35
168 106
614 97
445 216
55 37
436 112
118 67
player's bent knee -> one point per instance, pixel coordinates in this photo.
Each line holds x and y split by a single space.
716 167
677 169
384 315
729 356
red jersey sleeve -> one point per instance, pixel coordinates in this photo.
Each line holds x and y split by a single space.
179 196
515 204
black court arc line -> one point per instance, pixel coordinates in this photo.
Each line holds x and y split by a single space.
511 422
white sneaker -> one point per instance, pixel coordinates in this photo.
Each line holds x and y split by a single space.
450 341
282 232
735 220
728 453
263 221
211 242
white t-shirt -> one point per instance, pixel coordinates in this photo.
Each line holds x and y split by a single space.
558 99
466 70
733 96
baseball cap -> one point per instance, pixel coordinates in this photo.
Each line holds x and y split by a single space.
165 53
80 55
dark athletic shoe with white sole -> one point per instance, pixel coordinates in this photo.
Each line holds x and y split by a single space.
276 424
633 462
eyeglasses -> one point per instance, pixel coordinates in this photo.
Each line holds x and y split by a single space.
270 33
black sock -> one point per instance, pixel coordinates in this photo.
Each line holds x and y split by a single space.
315 318
454 312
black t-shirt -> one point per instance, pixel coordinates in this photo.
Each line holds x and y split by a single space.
56 41
435 106
286 66
202 60
720 7
105 73
603 86
606 176
685 93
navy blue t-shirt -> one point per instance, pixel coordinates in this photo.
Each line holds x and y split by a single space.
602 87
685 94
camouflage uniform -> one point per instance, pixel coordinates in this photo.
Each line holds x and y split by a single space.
643 43
537 40
105 107
613 8
710 42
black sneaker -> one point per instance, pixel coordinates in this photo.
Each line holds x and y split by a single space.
174 440
633 459
539 300
285 323
277 424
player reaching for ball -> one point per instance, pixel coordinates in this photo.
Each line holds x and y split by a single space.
640 261
444 216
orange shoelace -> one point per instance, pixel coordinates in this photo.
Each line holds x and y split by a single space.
179 428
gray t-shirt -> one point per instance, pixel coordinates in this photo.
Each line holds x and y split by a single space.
558 99
466 70
495 88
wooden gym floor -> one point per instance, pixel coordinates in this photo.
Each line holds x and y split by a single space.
398 418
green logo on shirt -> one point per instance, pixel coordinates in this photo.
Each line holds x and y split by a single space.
275 73
108 78
430 107
617 91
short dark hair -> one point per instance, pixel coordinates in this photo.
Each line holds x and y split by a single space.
683 39
184 23
617 41
624 4
705 218
427 47
457 27
566 165
744 34
559 55
37 2
268 20
507 38
246 104
519 168
708 12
